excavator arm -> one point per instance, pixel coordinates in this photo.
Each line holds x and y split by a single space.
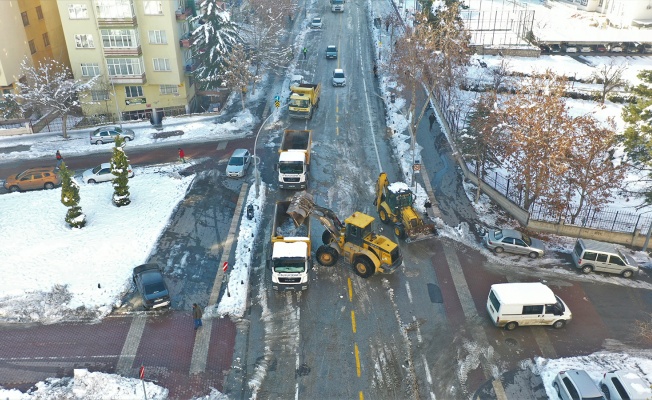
381 185
303 206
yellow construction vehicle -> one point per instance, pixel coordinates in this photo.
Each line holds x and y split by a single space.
394 203
367 252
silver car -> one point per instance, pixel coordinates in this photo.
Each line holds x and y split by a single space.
513 241
101 173
316 23
576 384
107 134
238 163
339 79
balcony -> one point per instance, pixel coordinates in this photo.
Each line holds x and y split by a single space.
128 79
185 41
118 22
122 51
191 68
183 15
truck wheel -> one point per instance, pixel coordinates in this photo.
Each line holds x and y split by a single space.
510 326
327 237
399 231
326 256
363 267
382 214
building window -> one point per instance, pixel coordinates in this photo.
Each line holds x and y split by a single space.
46 39
162 64
134 91
25 18
100 95
114 9
153 7
84 41
118 38
169 89
32 46
77 11
158 37
124 66
90 70
39 12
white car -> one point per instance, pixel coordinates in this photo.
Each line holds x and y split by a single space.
316 23
238 163
339 79
101 173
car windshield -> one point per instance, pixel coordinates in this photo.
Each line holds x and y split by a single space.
526 239
236 161
338 74
559 304
316 20
289 266
331 48
97 169
498 235
154 288
292 167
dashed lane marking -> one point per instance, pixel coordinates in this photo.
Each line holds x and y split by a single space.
353 321
202 338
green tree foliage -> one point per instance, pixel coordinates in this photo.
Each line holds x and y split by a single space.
120 168
212 42
637 138
70 198
9 108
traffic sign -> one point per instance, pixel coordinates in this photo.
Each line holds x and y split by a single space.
277 104
416 167
141 373
277 98
225 266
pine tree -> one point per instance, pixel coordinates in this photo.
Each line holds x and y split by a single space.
70 198
212 42
120 168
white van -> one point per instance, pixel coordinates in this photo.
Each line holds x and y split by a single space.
514 304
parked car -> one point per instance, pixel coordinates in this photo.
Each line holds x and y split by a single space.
316 23
339 79
101 173
624 385
632 47
586 49
647 48
33 178
238 163
151 286
615 48
591 255
107 134
576 384
601 48
555 48
513 241
545 49
570 48
331 52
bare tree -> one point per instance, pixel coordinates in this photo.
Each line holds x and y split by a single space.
237 73
592 170
535 131
610 76
50 86
500 78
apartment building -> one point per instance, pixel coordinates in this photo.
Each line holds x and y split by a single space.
140 51
30 30
619 13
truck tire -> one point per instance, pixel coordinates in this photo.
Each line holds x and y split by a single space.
327 237
363 267
382 214
326 256
399 231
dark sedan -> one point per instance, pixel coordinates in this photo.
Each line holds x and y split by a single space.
151 285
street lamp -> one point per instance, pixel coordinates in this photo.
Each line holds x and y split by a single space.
256 172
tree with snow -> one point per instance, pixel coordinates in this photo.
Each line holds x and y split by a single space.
212 41
70 198
120 169
610 76
637 137
237 73
50 86
9 108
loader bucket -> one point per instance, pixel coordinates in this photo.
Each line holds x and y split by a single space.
423 232
301 206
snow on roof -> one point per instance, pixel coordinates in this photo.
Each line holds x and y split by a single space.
292 155
524 293
290 249
396 187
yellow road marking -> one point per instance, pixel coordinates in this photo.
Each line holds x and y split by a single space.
350 290
357 360
361 395
353 320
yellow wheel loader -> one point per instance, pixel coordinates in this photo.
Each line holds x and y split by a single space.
367 252
394 203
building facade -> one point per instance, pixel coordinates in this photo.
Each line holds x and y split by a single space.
619 13
139 50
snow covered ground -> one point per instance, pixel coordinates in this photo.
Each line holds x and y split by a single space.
59 279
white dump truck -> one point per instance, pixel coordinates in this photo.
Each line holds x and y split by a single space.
294 159
290 260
